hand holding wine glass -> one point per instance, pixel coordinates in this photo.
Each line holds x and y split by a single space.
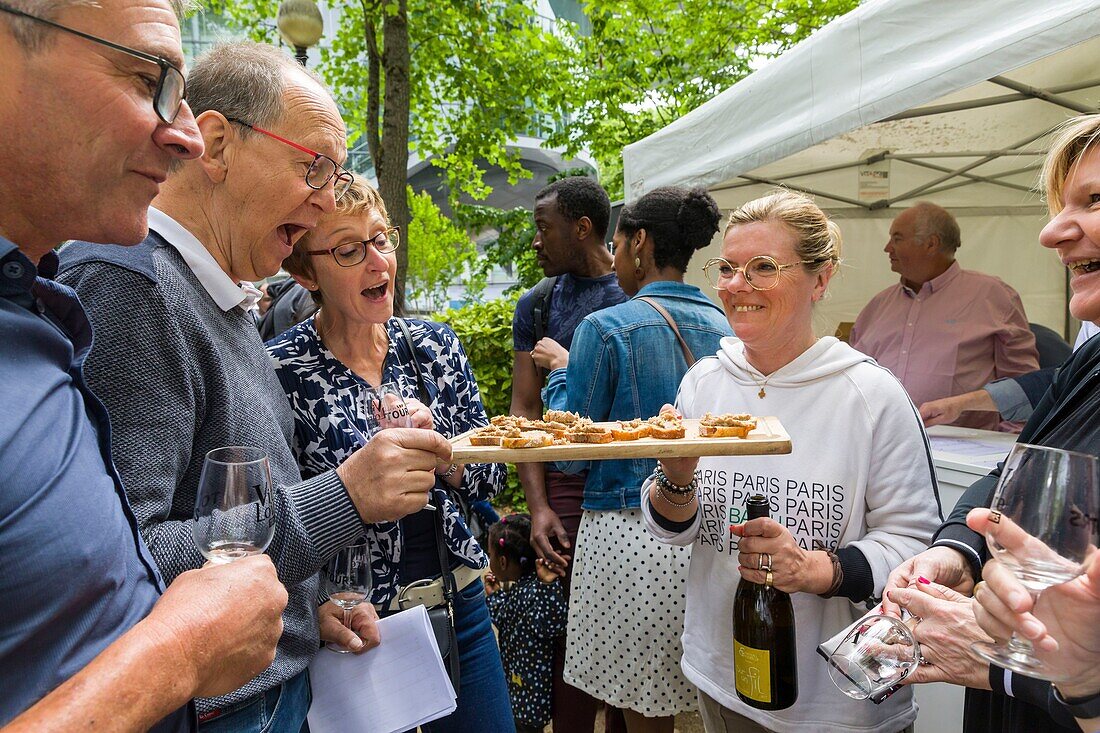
348 583
1042 530
234 510
1064 626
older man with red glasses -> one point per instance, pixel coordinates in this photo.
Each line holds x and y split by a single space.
91 105
180 364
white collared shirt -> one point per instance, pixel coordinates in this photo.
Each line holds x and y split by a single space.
226 293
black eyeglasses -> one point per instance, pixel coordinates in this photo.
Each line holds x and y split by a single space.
171 86
320 171
350 254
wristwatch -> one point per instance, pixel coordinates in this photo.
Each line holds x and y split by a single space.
1084 708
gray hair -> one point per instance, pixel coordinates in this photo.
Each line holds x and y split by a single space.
933 219
243 80
32 37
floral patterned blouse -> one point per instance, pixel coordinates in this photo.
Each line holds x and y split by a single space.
328 421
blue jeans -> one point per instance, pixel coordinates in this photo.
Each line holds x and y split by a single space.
281 709
483 704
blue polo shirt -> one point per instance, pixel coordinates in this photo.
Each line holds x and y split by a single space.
74 572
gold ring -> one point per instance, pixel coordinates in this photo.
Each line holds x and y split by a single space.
995 516
768 579
764 562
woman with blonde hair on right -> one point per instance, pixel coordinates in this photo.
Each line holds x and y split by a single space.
854 499
1000 700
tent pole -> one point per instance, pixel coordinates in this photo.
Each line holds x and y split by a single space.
960 184
1043 94
958 171
985 102
969 154
810 191
973 177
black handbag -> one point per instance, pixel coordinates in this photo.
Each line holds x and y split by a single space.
441 617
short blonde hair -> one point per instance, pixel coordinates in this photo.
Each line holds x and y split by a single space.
1071 139
818 236
361 198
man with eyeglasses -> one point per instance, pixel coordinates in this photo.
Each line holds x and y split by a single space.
87 640
943 330
180 364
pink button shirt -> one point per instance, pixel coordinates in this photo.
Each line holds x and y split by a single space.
961 331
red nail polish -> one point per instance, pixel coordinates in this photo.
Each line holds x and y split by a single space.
924 580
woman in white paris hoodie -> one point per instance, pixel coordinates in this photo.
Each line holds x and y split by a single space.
858 482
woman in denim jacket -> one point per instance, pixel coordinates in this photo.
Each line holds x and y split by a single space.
627 604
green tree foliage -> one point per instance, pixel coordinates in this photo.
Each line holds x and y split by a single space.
485 330
439 251
647 63
454 79
507 234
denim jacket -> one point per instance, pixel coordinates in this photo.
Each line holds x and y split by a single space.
625 362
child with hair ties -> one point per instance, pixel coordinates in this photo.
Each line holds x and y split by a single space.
529 615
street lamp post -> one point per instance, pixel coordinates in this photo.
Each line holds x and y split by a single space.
300 24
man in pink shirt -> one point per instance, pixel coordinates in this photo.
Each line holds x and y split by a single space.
943 330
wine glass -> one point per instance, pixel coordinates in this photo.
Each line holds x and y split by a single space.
874 657
1046 501
384 407
234 510
348 582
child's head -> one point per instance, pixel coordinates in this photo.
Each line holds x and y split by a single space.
510 553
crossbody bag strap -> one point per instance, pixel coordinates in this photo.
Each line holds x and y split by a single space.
420 389
672 324
449 582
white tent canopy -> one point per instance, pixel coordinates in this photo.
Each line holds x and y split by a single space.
900 101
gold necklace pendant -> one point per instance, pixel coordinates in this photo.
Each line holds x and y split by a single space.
760 394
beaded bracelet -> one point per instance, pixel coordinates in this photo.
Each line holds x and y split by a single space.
663 483
449 472
680 505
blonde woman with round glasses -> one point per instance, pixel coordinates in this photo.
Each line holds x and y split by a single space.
349 263
853 500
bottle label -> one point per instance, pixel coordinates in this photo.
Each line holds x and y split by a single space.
752 672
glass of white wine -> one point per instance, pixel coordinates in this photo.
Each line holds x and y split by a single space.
1046 505
234 509
348 582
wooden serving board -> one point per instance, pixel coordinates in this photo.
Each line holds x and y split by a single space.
768 438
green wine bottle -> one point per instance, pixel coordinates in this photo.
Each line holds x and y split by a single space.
765 660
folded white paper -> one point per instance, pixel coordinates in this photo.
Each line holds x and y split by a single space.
394 687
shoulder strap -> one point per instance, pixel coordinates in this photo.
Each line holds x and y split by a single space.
420 389
542 293
672 324
449 583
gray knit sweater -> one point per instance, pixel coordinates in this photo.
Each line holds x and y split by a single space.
181 377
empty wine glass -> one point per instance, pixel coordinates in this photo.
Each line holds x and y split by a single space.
348 582
874 657
234 510
1046 500
384 407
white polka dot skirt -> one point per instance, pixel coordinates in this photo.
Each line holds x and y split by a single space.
626 616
